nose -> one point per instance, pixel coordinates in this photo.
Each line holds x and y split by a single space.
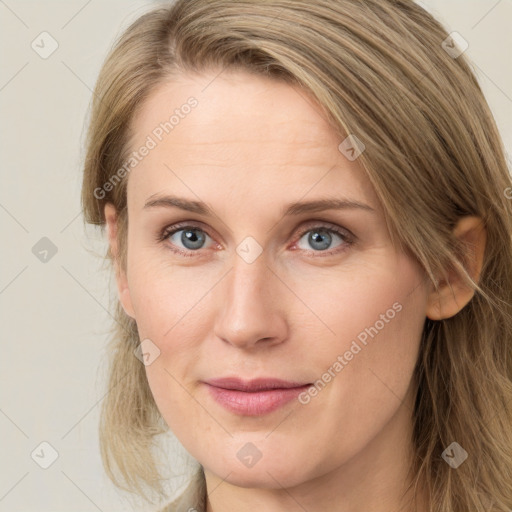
251 306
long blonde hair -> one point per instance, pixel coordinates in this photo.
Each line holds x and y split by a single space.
380 70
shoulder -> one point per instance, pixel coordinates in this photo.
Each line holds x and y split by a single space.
192 499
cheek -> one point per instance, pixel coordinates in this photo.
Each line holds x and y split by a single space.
168 308
171 305
382 300
162 295
365 368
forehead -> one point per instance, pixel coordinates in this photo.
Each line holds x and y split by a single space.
244 135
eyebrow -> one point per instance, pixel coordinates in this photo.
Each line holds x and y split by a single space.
296 208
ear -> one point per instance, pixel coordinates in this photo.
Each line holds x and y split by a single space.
453 294
121 279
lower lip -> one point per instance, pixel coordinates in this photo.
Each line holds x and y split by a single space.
256 403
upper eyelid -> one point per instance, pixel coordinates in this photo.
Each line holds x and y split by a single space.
329 226
304 228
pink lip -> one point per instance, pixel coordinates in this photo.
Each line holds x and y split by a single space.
254 397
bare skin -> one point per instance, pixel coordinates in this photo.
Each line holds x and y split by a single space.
249 148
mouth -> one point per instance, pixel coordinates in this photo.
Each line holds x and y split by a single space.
254 397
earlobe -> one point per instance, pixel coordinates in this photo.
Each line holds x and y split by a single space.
121 278
453 293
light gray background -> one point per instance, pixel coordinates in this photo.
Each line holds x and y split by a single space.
54 314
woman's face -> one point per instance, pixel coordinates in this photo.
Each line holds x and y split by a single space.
257 289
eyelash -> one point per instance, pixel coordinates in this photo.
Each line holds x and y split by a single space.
347 237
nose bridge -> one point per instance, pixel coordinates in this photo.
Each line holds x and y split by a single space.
249 279
248 301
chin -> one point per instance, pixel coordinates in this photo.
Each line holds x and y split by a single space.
261 479
270 474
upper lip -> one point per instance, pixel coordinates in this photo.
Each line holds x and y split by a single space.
260 384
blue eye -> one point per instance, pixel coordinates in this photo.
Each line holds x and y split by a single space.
192 238
321 238
186 239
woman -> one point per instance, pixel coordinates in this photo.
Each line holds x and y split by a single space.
309 216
